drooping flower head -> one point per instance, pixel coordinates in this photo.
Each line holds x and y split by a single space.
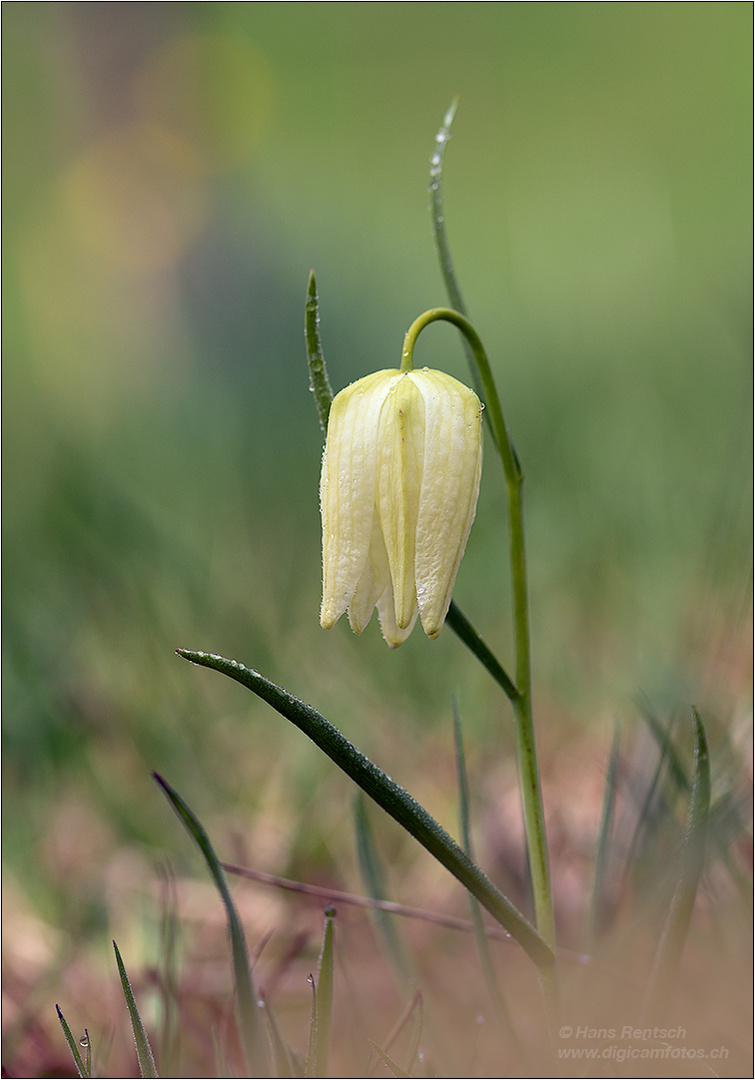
398 492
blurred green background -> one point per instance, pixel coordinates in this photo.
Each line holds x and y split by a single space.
172 173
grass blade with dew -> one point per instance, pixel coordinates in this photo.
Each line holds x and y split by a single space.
144 1054
84 1071
374 879
322 1003
691 862
481 938
253 1038
397 802
318 373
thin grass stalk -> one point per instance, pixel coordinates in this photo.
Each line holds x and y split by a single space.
147 1066
311 1063
691 863
374 878
250 1027
324 997
83 1070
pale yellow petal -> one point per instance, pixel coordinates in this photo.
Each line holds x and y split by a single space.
374 581
401 441
347 490
393 633
448 496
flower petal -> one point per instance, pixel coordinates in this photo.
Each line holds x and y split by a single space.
347 490
401 450
393 633
374 581
448 496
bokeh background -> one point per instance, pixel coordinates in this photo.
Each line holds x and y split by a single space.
172 172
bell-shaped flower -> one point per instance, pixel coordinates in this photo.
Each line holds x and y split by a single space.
398 493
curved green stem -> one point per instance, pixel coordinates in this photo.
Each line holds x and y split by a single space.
522 702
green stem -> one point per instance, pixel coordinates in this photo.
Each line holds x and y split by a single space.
534 818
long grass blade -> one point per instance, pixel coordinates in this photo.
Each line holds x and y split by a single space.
324 997
250 1026
374 879
397 802
143 1049
312 1047
691 862
83 1070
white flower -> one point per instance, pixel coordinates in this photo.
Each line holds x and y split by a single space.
398 492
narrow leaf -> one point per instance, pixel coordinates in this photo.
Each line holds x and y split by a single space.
143 1049
464 630
312 1047
397 802
691 862
374 880
324 997
318 374
252 1034
81 1069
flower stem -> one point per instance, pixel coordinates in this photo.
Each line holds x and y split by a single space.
532 802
